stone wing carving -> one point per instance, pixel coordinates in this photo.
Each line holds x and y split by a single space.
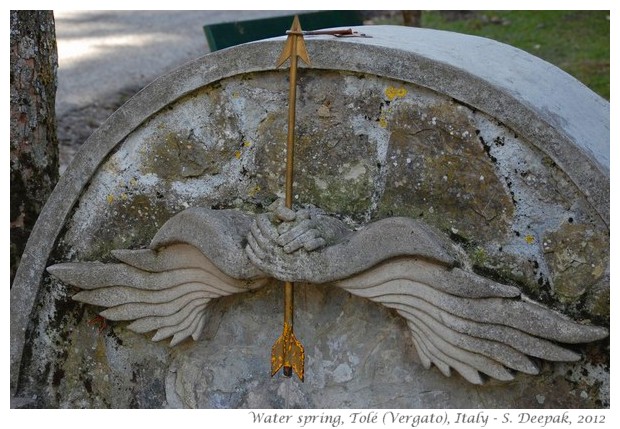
463 321
167 288
457 319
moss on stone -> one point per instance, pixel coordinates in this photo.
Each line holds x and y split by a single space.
132 221
577 255
439 171
347 193
508 268
173 156
597 301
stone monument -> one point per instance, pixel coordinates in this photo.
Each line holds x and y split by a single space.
448 236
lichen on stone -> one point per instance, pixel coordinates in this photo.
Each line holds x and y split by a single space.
578 256
436 174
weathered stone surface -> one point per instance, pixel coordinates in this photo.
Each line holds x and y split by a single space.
199 137
334 149
440 172
343 369
578 257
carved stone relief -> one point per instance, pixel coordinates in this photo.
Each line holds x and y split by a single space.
458 320
507 204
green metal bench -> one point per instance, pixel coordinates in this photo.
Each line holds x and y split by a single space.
225 35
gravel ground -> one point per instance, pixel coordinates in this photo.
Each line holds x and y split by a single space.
105 57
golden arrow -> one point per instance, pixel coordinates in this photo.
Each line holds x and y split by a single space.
287 352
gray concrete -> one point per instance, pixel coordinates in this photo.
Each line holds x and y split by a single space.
386 129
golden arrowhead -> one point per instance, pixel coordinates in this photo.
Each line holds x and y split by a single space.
295 45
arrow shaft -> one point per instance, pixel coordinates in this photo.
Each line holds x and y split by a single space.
290 140
288 320
287 352
290 162
288 303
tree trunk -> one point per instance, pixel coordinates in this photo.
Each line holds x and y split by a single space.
34 146
412 18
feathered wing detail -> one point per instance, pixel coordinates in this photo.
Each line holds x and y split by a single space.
458 320
164 290
469 323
